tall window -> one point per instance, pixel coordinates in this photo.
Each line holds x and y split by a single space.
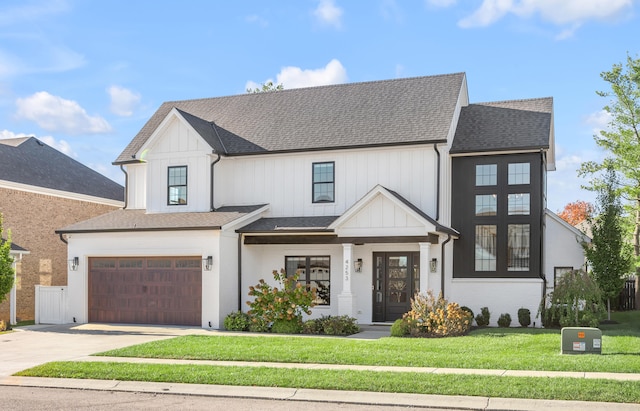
313 272
518 246
177 186
485 248
324 182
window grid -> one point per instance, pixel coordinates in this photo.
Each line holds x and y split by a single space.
519 204
323 182
486 174
177 185
519 173
485 254
518 247
486 205
313 272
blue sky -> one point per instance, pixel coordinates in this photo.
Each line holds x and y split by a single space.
84 76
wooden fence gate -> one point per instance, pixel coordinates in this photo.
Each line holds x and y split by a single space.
627 299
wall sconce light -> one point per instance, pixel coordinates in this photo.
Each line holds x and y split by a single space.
207 263
357 265
433 265
74 263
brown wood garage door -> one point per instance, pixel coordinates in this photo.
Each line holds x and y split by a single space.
158 290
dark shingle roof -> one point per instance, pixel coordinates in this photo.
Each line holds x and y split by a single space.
400 111
14 246
139 220
504 126
29 161
285 224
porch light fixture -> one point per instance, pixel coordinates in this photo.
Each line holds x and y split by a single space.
207 263
433 265
357 265
74 263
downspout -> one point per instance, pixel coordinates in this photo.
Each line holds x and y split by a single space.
211 198
435 147
126 187
442 264
62 238
239 271
543 277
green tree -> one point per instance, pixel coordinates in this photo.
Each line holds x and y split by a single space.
621 141
6 261
266 87
608 253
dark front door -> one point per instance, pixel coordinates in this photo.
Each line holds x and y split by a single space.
396 278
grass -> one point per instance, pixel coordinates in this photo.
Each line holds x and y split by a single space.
493 348
395 382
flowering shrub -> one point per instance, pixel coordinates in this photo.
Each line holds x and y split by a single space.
286 303
435 317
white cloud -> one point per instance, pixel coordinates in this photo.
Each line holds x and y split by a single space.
294 77
557 12
327 13
256 19
27 12
441 3
598 121
54 113
123 100
5 134
564 184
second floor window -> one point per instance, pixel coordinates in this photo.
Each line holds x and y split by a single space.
177 186
323 182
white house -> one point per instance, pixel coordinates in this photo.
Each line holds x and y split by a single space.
371 191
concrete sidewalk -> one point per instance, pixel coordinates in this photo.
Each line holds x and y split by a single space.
36 345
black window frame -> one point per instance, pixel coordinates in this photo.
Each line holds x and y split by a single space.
316 184
465 219
185 185
323 298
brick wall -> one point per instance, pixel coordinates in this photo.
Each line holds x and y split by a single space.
33 219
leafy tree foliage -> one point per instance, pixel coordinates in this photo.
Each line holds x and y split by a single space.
266 87
608 254
576 212
6 269
622 142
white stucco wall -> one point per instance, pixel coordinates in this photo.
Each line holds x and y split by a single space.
150 244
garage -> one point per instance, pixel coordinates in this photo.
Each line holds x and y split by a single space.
146 290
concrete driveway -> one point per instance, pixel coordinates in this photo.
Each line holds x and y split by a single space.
33 345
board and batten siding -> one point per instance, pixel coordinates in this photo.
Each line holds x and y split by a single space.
285 180
178 145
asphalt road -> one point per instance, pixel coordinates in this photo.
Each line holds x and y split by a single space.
29 398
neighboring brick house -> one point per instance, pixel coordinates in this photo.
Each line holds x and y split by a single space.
42 189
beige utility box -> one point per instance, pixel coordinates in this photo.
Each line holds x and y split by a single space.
581 340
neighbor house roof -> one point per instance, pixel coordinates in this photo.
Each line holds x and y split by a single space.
377 113
505 126
15 249
139 220
31 162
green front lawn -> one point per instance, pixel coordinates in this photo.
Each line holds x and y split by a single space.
492 348
395 382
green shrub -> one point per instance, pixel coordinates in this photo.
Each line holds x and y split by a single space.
400 328
258 325
505 320
576 301
341 325
288 302
469 310
331 325
436 317
484 317
287 326
524 317
237 321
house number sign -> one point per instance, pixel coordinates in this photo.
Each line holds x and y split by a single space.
346 270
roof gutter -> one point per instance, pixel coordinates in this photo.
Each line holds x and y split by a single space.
212 208
126 187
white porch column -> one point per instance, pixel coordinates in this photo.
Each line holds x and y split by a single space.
12 296
346 300
425 266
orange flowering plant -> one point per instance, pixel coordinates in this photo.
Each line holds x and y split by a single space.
436 317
